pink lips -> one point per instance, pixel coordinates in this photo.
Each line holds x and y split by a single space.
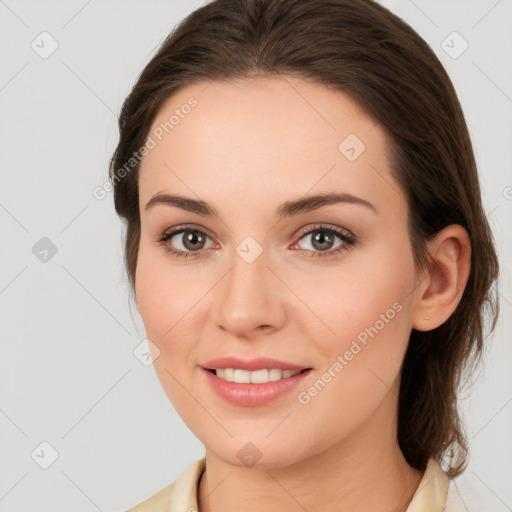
259 363
249 394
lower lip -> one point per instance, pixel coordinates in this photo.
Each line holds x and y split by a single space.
253 395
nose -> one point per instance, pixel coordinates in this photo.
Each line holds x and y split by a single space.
249 300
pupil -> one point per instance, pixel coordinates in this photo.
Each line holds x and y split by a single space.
191 239
323 238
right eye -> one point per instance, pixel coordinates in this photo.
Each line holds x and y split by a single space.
184 241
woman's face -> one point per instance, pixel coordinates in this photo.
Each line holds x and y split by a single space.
260 278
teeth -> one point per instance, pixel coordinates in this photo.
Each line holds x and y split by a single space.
255 377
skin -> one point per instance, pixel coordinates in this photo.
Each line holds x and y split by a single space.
247 147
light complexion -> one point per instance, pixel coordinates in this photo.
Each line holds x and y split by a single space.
248 148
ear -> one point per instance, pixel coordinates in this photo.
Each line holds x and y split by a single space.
443 285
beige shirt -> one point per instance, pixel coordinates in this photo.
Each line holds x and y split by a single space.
435 492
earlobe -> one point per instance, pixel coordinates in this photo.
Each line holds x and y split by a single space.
447 276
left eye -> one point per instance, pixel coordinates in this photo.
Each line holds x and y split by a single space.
323 240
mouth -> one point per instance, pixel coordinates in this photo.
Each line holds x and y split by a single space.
262 376
268 364
254 388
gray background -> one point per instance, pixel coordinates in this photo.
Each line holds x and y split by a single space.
68 375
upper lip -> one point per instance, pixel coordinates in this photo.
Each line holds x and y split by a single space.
259 363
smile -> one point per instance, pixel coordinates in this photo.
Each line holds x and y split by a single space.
253 388
255 377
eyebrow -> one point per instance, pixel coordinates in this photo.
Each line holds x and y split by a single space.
287 209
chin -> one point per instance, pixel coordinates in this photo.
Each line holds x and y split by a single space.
257 452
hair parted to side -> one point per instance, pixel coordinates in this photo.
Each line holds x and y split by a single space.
363 50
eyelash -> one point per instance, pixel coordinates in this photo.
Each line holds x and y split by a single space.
348 240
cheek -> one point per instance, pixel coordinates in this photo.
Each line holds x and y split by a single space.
150 287
163 295
171 307
368 309
370 314
371 289
163 300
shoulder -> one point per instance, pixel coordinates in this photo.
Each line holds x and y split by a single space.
432 490
156 503
464 495
179 496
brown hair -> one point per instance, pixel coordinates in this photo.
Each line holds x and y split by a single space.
361 49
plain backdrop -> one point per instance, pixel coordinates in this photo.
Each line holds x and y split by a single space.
84 424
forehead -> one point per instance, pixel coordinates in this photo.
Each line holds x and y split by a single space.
264 138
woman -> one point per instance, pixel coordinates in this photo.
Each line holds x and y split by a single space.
309 254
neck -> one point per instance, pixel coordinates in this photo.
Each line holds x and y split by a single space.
363 472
